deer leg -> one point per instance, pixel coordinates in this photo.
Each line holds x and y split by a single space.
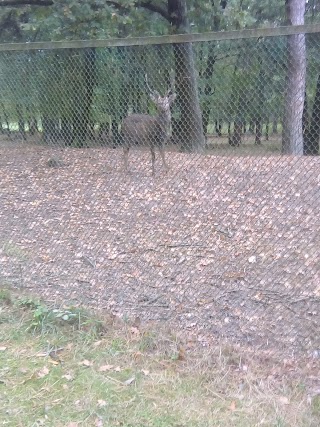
153 159
162 154
125 158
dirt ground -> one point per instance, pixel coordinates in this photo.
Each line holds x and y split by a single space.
220 247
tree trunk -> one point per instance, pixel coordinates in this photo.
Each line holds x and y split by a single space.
190 130
207 75
244 130
235 139
50 129
103 130
66 131
275 126
292 138
6 118
116 135
305 117
32 125
229 131
21 124
81 116
251 126
312 132
218 127
260 100
236 99
267 129
258 136
32 122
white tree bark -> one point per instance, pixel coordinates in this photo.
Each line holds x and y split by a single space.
292 139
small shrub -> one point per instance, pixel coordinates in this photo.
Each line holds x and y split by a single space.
5 297
315 404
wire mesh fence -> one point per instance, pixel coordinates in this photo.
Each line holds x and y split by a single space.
221 235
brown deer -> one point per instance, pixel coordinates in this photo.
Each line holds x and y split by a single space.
151 131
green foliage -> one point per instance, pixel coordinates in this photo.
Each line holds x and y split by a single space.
70 377
75 19
45 319
5 296
11 249
247 76
316 405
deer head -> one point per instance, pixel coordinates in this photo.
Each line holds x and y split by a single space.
163 103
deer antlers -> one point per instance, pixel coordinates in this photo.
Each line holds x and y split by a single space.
155 92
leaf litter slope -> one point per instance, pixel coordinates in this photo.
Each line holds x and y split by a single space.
223 247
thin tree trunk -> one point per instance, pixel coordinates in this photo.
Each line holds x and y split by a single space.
244 129
116 135
32 122
81 117
218 127
312 132
292 138
50 129
235 140
229 131
207 75
66 131
6 119
251 126
267 129
21 124
32 125
258 136
190 130
275 126
305 117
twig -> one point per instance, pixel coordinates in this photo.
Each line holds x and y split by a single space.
179 245
87 260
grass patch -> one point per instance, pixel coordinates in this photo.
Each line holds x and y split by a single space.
5 296
12 250
66 367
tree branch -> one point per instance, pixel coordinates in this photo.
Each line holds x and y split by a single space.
10 24
17 3
145 4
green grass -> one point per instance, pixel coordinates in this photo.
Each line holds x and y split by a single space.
10 249
67 367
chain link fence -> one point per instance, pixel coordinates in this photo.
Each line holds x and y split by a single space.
171 181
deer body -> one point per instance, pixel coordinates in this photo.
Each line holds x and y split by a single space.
147 130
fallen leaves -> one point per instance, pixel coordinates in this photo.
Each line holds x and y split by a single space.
68 377
105 368
102 403
129 381
178 240
284 400
43 372
86 363
232 406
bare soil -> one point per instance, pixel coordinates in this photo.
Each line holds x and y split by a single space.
221 247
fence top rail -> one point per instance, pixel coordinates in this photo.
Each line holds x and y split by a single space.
169 39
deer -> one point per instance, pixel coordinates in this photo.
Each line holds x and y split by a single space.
147 130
